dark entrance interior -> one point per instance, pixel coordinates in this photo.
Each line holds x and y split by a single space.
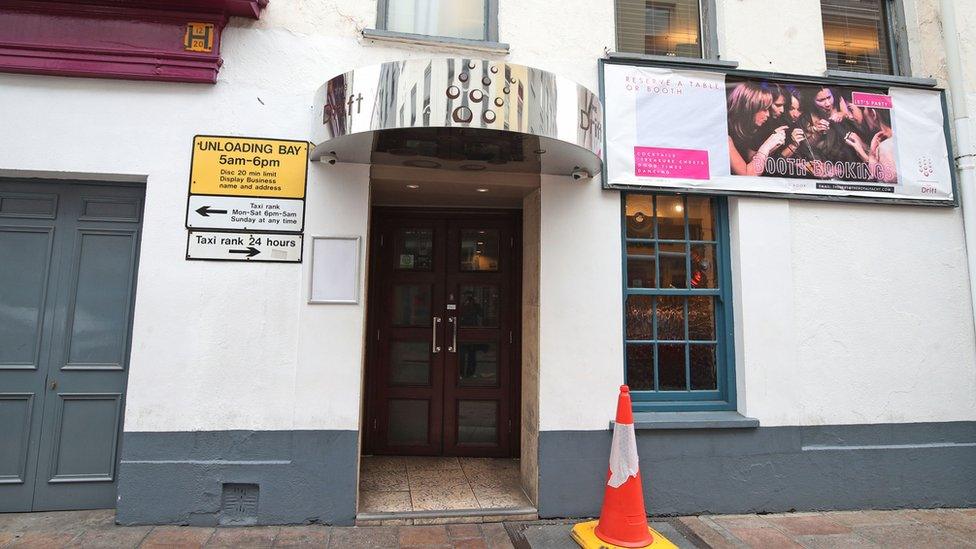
442 366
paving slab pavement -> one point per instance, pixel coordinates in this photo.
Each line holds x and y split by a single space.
556 534
935 528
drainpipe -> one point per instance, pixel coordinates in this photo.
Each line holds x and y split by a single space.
965 159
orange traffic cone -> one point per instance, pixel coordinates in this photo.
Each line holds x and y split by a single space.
623 520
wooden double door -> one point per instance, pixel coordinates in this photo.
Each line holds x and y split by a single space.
442 363
69 252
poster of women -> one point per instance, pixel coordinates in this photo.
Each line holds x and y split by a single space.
702 130
826 132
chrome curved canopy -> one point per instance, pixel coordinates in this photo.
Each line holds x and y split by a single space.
457 113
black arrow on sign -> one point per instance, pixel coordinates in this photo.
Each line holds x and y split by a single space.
205 211
251 251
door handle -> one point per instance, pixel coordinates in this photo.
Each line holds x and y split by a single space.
433 335
54 384
453 346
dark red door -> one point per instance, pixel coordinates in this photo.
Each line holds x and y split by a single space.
442 363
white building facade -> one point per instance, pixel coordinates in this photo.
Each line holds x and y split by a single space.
822 356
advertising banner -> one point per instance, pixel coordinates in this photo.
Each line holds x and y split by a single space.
709 131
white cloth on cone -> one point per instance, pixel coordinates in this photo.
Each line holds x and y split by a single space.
623 454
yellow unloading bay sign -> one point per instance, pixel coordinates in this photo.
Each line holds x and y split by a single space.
242 166
240 185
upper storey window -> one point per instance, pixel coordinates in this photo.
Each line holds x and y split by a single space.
660 27
859 35
467 19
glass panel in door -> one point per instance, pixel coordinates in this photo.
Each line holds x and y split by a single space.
477 422
479 250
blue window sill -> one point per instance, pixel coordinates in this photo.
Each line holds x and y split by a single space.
650 421
442 41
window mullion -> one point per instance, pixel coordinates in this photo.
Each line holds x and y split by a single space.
657 377
486 28
701 32
657 250
687 322
890 20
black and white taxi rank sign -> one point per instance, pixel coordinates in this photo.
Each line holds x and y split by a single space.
246 199
244 246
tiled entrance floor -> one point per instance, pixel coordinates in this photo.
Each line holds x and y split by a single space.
402 484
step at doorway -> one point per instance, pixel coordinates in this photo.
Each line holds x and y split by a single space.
431 490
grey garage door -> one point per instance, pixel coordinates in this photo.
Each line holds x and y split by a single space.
68 258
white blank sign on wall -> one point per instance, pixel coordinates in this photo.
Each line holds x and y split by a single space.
335 269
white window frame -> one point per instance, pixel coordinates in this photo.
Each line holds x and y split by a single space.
491 21
708 25
897 34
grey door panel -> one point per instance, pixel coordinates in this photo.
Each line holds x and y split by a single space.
98 313
28 257
16 467
24 291
68 258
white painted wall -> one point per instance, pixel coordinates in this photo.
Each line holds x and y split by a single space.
580 340
847 314
844 314
234 346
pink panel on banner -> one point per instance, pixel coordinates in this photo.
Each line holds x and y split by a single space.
673 163
875 100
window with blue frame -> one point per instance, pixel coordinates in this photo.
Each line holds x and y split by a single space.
677 302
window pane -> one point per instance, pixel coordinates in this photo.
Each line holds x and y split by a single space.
645 249
479 250
659 27
411 305
410 363
701 218
478 364
670 318
671 217
479 306
856 35
457 18
701 318
703 266
407 422
671 367
639 311
415 249
640 216
703 374
641 272
477 422
641 265
674 268
640 367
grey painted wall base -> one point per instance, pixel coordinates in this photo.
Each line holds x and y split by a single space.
768 469
177 477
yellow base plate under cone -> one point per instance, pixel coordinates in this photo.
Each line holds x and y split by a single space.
585 535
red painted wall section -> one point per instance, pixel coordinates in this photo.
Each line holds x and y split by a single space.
128 39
